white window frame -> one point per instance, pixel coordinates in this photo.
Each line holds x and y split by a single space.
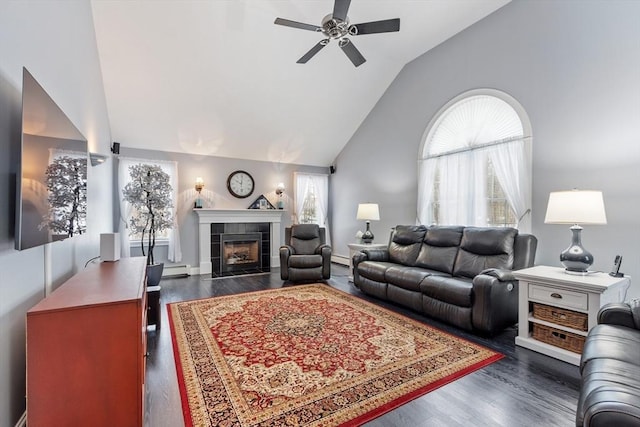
322 207
425 192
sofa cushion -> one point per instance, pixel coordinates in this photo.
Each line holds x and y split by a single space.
405 297
453 290
305 238
405 244
484 247
406 277
305 261
374 270
450 313
440 247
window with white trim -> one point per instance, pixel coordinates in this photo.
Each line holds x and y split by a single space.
169 237
475 163
312 199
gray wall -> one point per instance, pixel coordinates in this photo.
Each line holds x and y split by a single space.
574 66
214 171
56 42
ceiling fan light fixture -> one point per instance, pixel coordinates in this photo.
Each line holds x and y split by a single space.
336 26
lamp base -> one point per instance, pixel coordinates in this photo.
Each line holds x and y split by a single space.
580 273
367 236
575 258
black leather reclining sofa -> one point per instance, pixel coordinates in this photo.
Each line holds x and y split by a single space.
610 368
459 275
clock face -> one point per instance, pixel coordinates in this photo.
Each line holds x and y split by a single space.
240 184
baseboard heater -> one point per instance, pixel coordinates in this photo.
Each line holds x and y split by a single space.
340 259
176 270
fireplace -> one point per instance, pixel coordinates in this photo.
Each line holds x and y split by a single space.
240 253
240 248
209 221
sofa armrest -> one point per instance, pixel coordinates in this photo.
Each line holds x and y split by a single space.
378 254
621 314
500 274
285 252
612 405
325 251
495 301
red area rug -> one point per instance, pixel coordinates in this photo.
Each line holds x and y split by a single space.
307 356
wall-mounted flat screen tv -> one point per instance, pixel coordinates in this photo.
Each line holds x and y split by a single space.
52 184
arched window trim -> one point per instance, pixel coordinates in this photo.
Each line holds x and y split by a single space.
524 223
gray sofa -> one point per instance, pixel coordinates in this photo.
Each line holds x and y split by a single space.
459 275
610 368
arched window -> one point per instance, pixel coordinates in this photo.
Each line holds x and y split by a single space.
475 163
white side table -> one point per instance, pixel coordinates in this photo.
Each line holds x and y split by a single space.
357 247
554 288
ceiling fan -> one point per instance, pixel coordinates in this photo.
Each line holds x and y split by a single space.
336 26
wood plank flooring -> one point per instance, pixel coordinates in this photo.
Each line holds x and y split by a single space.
523 389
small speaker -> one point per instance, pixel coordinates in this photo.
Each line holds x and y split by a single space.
115 148
110 246
332 169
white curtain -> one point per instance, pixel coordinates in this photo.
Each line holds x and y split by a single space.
426 175
512 169
302 184
320 184
462 188
171 168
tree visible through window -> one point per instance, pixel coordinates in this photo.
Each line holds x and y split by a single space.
311 199
475 164
309 213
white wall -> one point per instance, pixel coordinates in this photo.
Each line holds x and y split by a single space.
574 67
56 42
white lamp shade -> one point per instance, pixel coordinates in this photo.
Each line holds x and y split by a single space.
575 207
368 212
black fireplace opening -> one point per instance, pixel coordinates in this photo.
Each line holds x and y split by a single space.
240 252
240 248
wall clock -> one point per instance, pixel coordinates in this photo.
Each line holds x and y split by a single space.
240 184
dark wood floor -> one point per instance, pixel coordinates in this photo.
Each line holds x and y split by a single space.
523 389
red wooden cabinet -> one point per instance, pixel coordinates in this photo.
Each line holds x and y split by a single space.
86 346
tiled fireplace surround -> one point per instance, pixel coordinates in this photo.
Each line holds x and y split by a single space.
206 217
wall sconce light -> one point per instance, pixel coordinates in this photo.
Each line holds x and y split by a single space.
199 186
97 159
279 191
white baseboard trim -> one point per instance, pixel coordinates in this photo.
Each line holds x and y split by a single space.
22 422
340 259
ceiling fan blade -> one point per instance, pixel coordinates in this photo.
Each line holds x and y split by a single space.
296 24
315 49
340 9
350 50
386 26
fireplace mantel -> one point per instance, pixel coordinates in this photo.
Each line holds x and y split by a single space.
206 217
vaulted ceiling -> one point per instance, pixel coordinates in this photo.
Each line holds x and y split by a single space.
217 77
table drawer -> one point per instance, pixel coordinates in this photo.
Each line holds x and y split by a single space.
559 297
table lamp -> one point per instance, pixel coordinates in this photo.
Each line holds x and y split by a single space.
576 207
368 212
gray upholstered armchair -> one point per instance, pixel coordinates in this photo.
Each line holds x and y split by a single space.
305 254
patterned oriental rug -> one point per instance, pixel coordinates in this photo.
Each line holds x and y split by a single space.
307 355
